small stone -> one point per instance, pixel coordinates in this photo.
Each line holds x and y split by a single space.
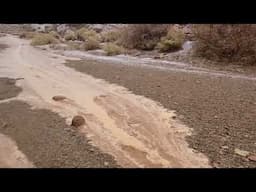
58 98
252 157
106 163
162 55
78 121
11 81
241 152
66 129
4 125
174 117
224 147
215 165
215 117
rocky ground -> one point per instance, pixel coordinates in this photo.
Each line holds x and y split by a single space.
221 110
44 137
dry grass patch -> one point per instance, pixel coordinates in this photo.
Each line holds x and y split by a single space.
111 36
173 41
55 34
43 39
70 36
113 49
83 34
27 35
91 44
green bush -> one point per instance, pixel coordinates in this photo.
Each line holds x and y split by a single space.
173 41
43 39
113 49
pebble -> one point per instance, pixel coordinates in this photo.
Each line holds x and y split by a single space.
252 157
106 163
224 147
241 152
58 98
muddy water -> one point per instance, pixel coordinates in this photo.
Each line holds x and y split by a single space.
10 156
137 131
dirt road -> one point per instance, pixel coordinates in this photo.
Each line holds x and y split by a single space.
136 131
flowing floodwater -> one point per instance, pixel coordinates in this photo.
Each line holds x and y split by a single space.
137 131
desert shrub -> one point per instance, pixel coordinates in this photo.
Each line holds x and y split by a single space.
55 34
113 49
70 36
43 39
83 34
226 42
110 36
91 44
142 36
27 35
173 41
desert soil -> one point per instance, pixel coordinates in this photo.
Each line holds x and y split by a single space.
133 130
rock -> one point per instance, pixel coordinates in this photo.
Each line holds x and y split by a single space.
174 117
42 27
241 152
252 157
78 121
106 163
11 81
67 129
162 55
4 125
215 165
58 98
62 28
69 31
104 27
224 147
